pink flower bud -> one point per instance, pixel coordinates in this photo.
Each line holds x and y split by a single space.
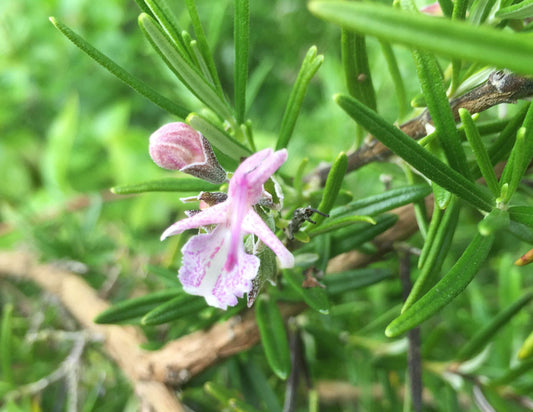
432 9
177 146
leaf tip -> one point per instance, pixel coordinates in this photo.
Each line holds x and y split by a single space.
389 332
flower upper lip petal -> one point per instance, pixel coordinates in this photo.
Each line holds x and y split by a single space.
211 216
254 224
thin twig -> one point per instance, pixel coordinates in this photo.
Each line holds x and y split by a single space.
61 372
297 367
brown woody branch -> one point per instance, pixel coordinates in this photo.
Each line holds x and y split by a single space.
500 87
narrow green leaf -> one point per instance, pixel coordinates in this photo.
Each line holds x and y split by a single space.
134 308
383 202
514 373
482 156
486 128
451 285
135 83
434 224
419 206
522 214
315 297
479 11
6 343
310 65
439 108
179 65
218 137
176 308
522 10
356 68
339 223
504 142
200 61
459 9
352 237
396 77
452 38
256 374
521 231
241 39
436 252
144 8
333 186
447 7
166 18
273 336
515 167
495 221
203 46
426 163
298 180
484 336
323 244
341 282
526 350
521 154
220 392
169 184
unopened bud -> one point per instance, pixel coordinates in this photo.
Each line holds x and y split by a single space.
177 146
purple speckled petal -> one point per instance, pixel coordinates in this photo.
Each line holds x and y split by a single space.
212 215
246 188
254 224
202 272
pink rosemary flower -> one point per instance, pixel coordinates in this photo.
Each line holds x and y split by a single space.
215 264
177 146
